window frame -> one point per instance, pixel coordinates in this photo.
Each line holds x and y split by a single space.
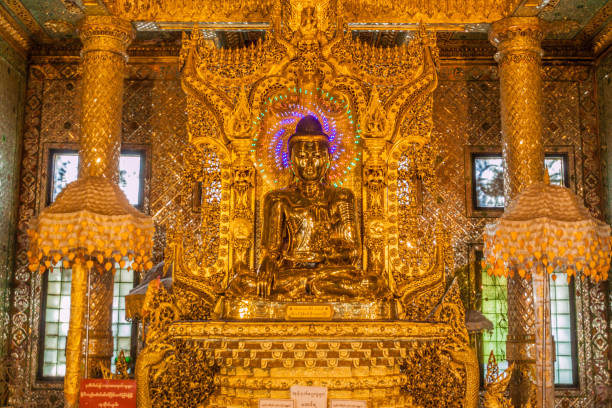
471 152
41 330
571 288
50 150
127 149
566 154
142 152
472 210
474 156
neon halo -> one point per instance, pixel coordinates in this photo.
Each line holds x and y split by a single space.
278 120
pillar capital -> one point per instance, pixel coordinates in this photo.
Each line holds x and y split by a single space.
517 37
106 33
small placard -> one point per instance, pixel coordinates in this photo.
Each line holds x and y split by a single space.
98 393
309 312
309 397
336 403
276 403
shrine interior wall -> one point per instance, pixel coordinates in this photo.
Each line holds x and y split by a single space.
604 99
12 90
466 119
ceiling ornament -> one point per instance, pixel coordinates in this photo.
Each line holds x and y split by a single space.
27 19
59 27
370 11
12 32
602 40
72 7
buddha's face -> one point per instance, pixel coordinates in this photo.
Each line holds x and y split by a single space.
309 160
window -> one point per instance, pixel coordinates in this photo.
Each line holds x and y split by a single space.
562 304
494 306
56 306
556 165
64 169
486 168
122 329
63 166
488 181
131 176
488 178
57 315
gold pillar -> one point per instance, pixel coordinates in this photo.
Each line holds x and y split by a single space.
103 59
74 342
518 40
519 57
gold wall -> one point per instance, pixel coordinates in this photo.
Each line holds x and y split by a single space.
466 116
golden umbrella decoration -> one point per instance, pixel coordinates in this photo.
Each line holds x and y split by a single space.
90 227
545 230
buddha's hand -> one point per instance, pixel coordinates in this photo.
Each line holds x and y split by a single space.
265 276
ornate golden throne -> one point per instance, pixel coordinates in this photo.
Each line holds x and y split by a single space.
205 350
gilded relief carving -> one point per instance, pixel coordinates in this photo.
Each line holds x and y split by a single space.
361 11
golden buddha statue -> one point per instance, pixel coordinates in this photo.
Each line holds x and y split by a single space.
310 241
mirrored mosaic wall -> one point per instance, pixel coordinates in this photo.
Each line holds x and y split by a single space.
12 93
467 120
466 117
604 93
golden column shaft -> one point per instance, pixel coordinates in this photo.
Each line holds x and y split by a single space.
74 341
105 40
103 58
518 40
520 62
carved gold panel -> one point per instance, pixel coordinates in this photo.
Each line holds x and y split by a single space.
358 11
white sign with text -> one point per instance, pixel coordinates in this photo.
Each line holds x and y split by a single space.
276 403
309 397
335 403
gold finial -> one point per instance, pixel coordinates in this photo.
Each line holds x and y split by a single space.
492 369
121 367
496 384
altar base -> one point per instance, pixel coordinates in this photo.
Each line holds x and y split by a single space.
257 360
266 310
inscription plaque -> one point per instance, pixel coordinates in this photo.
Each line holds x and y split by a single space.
309 397
309 312
276 403
335 403
99 393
